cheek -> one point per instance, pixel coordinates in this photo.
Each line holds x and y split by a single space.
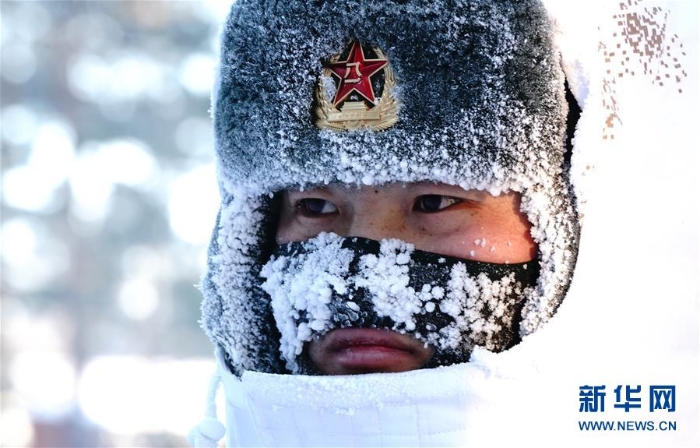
290 228
507 245
494 239
285 228
505 241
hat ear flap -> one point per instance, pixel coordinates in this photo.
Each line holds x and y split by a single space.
236 312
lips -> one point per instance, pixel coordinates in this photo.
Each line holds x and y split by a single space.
364 350
350 338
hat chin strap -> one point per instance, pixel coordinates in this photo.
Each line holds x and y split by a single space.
210 430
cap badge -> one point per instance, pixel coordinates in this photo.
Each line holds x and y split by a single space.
355 91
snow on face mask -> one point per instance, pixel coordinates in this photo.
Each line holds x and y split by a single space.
453 304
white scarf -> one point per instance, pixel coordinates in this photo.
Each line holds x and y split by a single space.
455 406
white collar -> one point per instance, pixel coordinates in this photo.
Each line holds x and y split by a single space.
449 406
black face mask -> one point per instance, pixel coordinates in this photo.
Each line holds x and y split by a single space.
453 304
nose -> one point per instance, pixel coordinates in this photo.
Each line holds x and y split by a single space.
379 219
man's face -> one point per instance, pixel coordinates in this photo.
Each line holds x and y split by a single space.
438 218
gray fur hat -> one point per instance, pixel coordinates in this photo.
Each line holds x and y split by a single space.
463 92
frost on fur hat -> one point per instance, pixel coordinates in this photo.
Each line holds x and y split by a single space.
463 92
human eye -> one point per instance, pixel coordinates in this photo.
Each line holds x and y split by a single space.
432 203
313 207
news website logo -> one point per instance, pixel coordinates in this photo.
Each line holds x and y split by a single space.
627 399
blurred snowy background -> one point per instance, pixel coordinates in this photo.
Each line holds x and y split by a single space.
108 200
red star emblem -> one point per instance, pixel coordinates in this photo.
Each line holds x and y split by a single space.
355 73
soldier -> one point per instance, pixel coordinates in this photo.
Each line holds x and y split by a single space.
395 193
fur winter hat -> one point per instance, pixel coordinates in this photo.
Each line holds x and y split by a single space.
358 92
